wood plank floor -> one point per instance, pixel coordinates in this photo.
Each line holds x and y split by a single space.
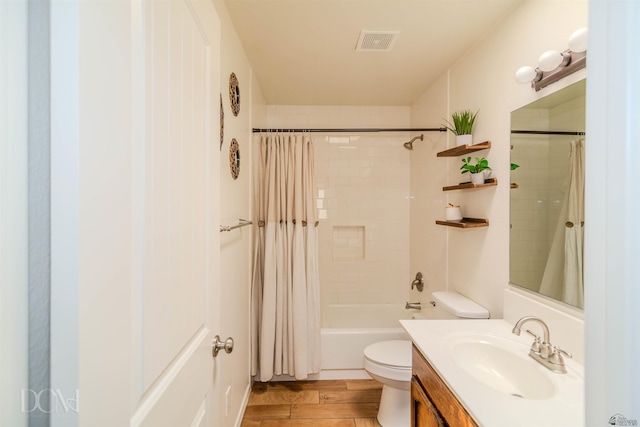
334 403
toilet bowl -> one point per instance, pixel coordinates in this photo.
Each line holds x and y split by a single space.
389 362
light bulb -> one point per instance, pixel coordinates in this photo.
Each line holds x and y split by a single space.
550 60
578 40
525 74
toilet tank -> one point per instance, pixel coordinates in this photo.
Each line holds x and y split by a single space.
460 306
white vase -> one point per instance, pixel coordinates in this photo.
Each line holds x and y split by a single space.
464 140
477 178
452 213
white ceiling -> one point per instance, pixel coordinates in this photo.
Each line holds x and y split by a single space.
303 51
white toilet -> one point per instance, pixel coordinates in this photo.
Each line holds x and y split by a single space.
389 362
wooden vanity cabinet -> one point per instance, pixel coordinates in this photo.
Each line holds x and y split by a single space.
432 403
423 413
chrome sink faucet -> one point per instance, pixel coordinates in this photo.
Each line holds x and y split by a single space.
548 355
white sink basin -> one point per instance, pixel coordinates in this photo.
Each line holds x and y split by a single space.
491 373
501 365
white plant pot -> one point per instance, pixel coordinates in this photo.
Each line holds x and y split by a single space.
452 213
464 140
477 178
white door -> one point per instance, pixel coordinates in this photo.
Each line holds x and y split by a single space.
147 253
178 301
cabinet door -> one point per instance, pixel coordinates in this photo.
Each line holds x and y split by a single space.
423 413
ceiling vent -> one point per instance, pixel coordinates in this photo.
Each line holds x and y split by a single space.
376 41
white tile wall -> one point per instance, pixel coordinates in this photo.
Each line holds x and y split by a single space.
363 201
530 239
348 242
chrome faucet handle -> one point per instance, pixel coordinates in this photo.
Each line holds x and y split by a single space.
536 347
555 358
566 353
418 282
556 355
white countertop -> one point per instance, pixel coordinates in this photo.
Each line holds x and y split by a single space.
488 406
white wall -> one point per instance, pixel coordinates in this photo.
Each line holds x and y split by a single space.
236 255
483 80
428 246
13 212
88 237
612 295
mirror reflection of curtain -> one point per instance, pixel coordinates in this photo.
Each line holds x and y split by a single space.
565 263
285 312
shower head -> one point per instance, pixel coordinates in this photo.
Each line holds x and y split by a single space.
409 145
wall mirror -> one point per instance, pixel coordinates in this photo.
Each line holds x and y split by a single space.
547 195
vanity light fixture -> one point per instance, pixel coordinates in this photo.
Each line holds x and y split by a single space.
552 59
554 65
528 74
578 40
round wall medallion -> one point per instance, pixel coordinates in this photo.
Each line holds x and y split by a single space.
234 94
234 158
221 123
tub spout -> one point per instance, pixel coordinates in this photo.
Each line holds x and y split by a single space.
412 305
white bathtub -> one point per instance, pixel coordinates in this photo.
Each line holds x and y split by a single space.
349 328
353 327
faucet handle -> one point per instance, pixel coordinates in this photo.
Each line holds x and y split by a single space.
418 282
556 352
535 347
555 358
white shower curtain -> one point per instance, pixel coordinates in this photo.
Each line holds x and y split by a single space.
563 275
285 308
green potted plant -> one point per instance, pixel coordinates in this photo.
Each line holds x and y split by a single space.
462 126
476 170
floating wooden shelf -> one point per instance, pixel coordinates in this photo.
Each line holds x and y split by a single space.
487 183
464 149
514 185
466 223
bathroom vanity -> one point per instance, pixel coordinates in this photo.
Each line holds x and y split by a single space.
432 402
478 373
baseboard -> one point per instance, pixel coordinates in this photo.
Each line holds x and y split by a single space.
329 374
243 405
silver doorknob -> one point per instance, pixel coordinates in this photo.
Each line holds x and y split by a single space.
226 345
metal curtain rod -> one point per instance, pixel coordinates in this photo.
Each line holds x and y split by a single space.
550 132
345 130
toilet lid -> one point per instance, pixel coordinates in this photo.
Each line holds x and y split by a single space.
460 306
392 353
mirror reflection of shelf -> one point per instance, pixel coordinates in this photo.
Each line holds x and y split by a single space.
464 149
514 185
466 223
465 185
